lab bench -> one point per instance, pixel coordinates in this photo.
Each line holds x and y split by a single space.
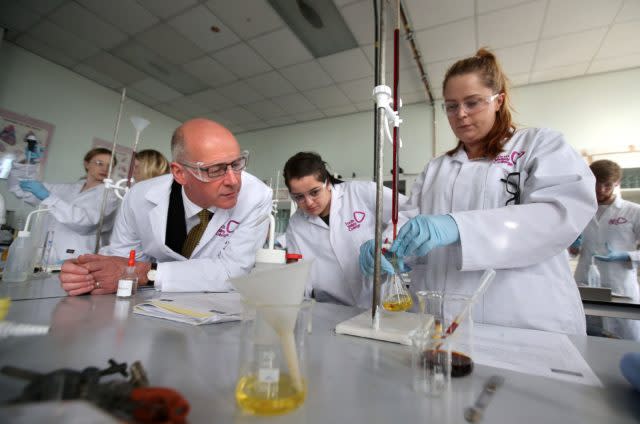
351 380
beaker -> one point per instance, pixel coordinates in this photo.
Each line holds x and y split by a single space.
430 361
272 376
458 332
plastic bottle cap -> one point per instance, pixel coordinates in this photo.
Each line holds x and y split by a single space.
294 256
132 258
24 233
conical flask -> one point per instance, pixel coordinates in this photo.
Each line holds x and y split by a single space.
395 296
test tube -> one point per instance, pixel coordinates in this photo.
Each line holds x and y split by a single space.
46 252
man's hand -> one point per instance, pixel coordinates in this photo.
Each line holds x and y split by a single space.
76 279
105 270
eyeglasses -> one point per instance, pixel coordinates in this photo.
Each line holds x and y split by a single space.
207 173
99 163
313 194
512 185
470 106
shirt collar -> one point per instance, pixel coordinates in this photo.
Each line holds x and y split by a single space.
190 208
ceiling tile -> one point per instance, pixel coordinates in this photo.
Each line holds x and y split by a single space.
347 65
308 116
212 100
242 60
126 15
282 120
359 18
134 94
15 16
630 11
81 22
209 71
365 106
614 63
42 6
339 110
307 75
167 8
568 49
63 41
617 42
196 24
327 97
252 126
489 5
521 23
280 48
240 93
460 41
41 49
271 84
567 16
359 90
561 72
247 18
519 79
168 43
158 91
115 68
188 107
97 76
237 115
517 59
429 13
294 103
265 109
171 112
158 67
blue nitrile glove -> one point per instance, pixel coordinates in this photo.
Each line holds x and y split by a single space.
577 243
36 187
630 367
367 251
423 233
613 256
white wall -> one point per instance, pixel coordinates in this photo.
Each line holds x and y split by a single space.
79 108
599 112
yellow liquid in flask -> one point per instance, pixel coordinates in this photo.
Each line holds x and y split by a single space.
258 398
397 303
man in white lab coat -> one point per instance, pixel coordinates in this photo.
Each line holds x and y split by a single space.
612 236
207 192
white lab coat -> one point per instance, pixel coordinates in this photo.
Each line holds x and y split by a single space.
335 273
227 248
619 226
74 215
525 244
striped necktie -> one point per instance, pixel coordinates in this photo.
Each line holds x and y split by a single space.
193 238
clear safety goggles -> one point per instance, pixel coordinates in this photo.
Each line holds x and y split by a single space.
470 106
207 173
312 194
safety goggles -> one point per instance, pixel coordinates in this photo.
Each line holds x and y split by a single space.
312 194
207 173
470 106
512 185
99 163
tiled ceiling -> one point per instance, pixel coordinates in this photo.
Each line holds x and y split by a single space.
255 73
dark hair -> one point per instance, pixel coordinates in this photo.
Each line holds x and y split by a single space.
98 151
605 170
303 164
486 66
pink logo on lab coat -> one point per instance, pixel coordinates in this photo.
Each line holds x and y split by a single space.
509 159
225 230
618 221
354 224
